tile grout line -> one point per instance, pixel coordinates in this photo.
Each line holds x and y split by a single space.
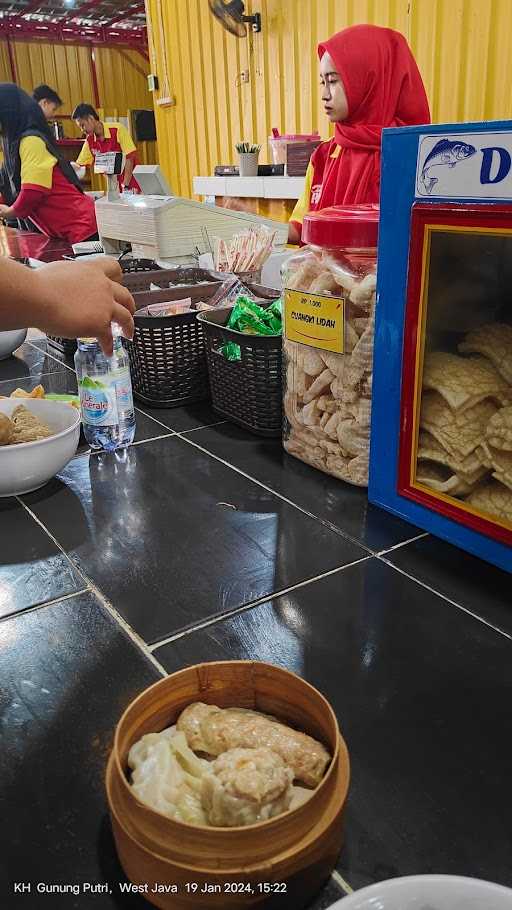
404 543
206 426
335 875
259 483
41 606
131 633
159 422
255 603
181 432
454 603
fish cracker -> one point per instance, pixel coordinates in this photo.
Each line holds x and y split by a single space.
493 498
499 461
442 479
459 433
471 468
498 432
37 392
464 382
494 341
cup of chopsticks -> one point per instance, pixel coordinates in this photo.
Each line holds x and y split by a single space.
248 159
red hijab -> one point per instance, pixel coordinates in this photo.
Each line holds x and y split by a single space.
383 88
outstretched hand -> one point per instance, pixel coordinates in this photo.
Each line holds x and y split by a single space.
82 299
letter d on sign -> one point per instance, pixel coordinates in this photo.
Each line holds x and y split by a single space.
505 162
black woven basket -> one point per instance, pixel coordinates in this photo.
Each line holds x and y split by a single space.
177 278
64 347
167 361
248 391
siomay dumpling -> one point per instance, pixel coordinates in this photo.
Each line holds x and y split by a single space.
166 775
214 730
245 786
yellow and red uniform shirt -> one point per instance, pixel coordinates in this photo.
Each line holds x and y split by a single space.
116 139
313 182
55 205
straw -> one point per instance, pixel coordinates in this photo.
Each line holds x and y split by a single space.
247 251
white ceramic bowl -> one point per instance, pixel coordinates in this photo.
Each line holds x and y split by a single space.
29 465
429 892
9 341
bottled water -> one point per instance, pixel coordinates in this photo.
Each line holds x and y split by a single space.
105 388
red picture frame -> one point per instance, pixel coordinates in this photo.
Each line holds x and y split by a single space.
425 219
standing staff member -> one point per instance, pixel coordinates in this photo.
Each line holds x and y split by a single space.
48 100
370 81
37 182
106 137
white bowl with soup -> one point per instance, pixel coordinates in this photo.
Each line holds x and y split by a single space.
26 466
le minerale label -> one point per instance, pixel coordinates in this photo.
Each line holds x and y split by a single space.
317 320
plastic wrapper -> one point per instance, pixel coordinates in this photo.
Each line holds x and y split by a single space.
327 399
249 317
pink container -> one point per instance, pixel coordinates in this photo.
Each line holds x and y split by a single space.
278 143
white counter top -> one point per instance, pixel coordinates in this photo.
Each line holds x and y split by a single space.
253 187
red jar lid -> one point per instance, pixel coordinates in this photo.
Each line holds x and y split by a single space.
345 226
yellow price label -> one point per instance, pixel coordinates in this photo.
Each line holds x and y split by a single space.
315 319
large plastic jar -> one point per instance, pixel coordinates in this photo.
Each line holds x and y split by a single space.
329 307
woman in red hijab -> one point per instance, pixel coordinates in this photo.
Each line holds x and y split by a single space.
370 81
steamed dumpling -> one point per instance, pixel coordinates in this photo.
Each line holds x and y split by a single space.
245 786
166 776
215 730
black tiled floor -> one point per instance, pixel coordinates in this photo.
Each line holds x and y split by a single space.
174 538
330 894
67 674
344 506
29 362
157 533
189 417
422 693
479 587
32 568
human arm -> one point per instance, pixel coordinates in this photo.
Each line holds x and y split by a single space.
129 151
128 171
37 166
301 208
85 158
293 233
72 299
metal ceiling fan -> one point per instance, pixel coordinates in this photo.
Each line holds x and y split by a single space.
231 14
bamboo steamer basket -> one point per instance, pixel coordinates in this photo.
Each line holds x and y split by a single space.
279 863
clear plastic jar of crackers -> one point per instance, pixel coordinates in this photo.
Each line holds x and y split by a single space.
329 310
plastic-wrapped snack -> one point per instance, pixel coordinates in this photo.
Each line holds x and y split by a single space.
327 401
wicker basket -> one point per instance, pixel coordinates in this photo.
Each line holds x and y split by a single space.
167 354
187 278
247 391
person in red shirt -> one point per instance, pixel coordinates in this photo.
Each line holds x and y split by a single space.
370 81
106 137
36 182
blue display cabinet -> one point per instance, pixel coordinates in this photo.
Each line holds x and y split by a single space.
441 450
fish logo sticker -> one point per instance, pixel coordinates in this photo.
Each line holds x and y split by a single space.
445 153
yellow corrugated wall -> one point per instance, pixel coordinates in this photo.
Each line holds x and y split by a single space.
121 74
463 48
